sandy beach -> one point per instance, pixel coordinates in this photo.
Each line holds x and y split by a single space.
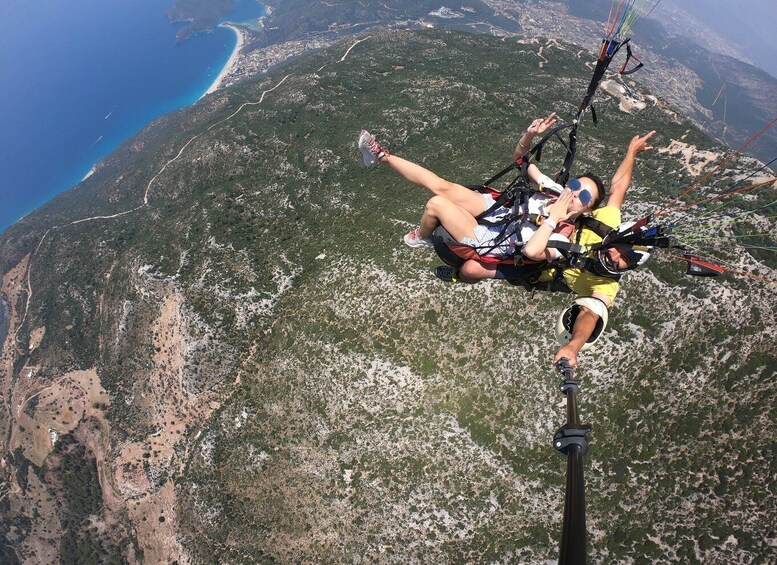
90 173
232 58
213 87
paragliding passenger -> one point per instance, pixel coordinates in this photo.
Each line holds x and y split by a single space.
596 281
459 209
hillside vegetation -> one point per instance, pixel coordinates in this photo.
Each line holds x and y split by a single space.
287 382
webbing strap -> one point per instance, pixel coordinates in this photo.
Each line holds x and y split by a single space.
586 104
504 199
503 235
571 148
563 176
566 246
537 149
599 228
500 174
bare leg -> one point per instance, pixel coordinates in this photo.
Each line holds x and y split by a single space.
468 199
441 211
472 271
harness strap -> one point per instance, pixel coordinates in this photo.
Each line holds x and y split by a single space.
570 253
537 149
504 199
514 195
569 158
500 174
566 247
504 234
536 219
571 148
599 228
517 196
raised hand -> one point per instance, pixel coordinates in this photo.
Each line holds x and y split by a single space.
559 210
541 125
639 144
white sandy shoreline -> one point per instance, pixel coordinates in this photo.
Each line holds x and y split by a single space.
232 58
216 83
90 173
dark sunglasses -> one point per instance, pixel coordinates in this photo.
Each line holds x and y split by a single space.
584 195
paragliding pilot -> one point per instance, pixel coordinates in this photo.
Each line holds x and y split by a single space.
546 235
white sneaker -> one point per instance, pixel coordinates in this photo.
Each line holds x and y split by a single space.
371 150
414 240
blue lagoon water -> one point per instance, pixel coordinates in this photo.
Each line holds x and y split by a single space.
80 77
247 13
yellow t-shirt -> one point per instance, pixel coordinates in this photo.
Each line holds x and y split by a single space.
582 282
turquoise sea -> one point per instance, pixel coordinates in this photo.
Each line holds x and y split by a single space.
80 77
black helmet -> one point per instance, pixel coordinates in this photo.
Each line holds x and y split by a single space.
626 238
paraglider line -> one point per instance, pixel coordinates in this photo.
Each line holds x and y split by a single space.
724 221
708 237
731 155
725 194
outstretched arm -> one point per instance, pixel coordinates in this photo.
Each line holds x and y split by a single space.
582 330
585 323
622 177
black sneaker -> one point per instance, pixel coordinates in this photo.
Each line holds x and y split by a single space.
446 273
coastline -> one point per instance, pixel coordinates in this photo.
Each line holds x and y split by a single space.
90 173
232 58
159 78
216 84
4 318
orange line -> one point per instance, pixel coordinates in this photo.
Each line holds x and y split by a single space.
774 179
616 16
713 171
609 16
603 49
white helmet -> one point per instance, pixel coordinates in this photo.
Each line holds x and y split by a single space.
567 320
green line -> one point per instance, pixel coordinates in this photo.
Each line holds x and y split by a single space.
738 246
711 213
728 237
724 223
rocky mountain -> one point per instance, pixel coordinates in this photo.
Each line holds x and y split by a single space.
747 32
688 64
219 351
701 75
